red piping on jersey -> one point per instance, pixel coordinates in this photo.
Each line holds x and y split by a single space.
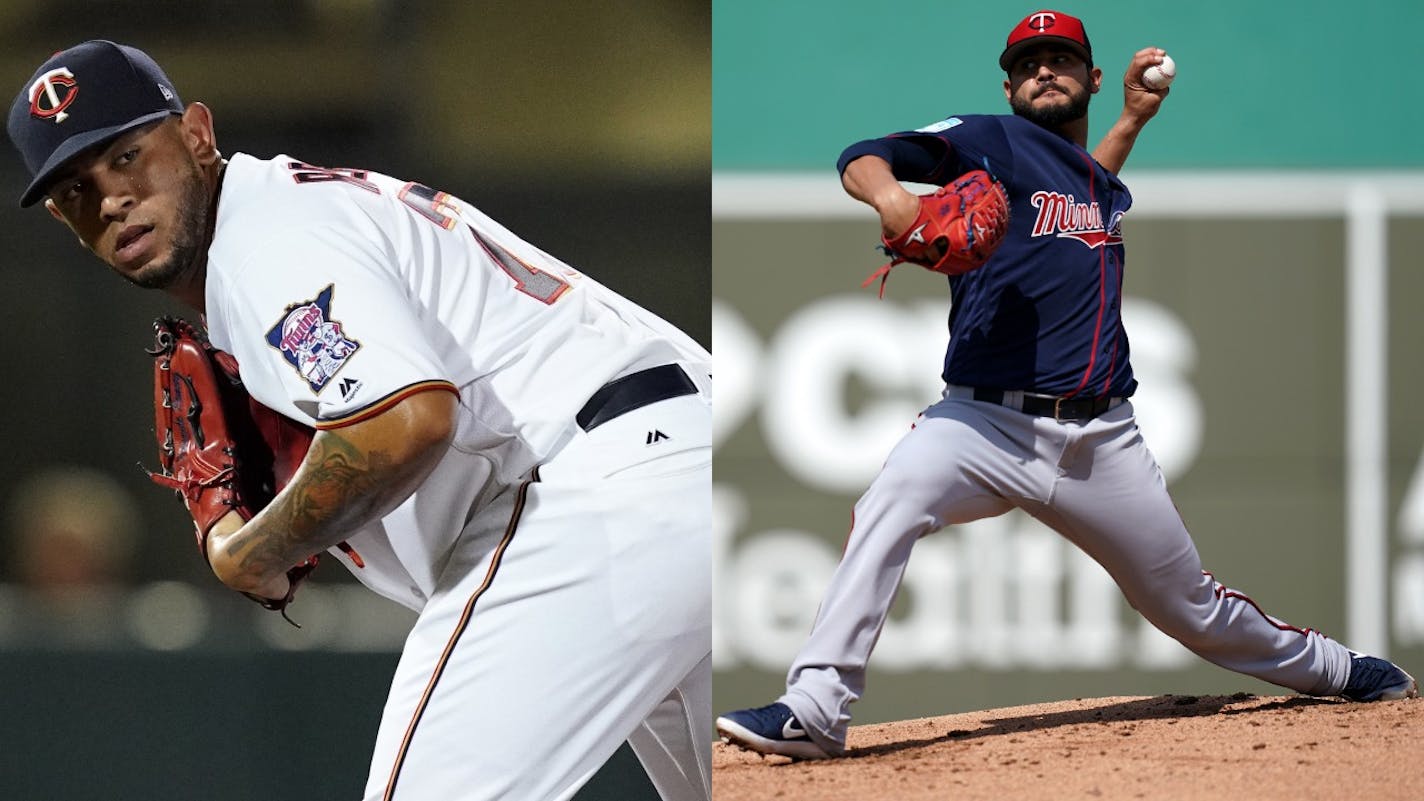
1220 590
384 403
1102 290
460 628
845 546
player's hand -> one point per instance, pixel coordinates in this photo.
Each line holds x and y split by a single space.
227 524
1138 102
220 538
870 180
898 210
274 590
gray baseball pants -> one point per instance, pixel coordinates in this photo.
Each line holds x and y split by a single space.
1096 483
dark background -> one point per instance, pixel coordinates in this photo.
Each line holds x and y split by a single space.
585 129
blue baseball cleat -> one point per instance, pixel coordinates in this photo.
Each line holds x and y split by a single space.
1375 679
769 729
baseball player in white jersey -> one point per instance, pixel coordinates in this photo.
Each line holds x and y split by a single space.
510 449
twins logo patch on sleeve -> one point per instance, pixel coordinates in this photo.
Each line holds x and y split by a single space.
311 341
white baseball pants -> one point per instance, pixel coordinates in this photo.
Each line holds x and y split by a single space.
575 614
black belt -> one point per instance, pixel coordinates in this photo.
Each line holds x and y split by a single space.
634 391
1051 406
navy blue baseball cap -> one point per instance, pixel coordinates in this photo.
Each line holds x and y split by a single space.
83 97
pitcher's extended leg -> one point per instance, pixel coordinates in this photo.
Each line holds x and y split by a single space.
950 469
1112 501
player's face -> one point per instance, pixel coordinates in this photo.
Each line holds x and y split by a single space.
140 204
1050 86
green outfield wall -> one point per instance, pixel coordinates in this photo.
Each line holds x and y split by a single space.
1307 84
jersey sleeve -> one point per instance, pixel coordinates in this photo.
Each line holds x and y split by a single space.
911 158
322 325
940 152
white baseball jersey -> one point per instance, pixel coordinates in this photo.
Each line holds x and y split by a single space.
561 573
340 292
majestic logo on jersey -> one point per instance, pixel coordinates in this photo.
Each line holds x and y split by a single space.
51 94
311 341
1062 216
1042 21
349 387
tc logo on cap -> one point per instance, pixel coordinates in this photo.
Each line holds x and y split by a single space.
45 94
1046 27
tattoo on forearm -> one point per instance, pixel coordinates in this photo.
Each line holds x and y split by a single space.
339 487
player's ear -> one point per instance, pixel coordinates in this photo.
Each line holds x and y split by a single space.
197 128
1095 79
1008 90
54 211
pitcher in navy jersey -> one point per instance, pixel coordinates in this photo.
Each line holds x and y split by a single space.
1038 380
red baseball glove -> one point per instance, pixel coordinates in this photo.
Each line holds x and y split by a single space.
958 228
220 449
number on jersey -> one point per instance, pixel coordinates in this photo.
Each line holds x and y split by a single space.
435 207
432 205
307 174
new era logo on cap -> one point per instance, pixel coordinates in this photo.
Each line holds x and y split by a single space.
84 97
1046 27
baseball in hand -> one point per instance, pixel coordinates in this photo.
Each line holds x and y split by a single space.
1159 76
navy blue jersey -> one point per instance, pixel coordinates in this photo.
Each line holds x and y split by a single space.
1043 315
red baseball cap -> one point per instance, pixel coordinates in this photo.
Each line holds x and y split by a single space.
1046 27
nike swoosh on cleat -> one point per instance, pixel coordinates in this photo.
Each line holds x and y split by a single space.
791 729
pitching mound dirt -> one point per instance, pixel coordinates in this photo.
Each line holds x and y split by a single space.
1166 747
